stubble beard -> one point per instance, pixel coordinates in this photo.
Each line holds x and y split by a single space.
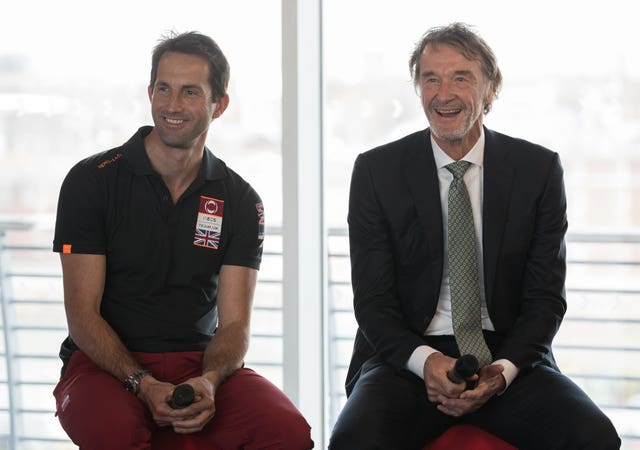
459 133
178 139
452 136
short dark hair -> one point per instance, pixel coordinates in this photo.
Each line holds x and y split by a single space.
194 43
469 43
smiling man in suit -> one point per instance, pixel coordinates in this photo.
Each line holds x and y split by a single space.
457 247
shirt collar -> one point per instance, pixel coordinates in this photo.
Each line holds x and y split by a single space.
212 168
475 155
135 154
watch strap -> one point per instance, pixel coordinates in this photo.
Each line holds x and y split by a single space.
132 382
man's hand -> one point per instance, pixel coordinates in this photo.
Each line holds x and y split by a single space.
156 395
438 385
490 383
194 417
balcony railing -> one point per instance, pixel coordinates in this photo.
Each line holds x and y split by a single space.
598 345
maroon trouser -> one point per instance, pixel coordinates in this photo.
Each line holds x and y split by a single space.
251 413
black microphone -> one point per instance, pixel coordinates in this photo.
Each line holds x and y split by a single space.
466 366
183 395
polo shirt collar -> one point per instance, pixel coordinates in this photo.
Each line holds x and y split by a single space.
212 168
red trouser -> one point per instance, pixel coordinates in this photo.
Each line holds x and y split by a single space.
251 413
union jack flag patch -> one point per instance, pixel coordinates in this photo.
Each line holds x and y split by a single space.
206 238
209 223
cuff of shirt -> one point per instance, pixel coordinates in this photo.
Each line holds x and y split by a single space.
418 358
421 353
510 372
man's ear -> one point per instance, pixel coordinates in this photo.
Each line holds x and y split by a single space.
488 99
221 106
150 92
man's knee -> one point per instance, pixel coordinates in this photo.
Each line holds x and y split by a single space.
105 420
598 434
286 429
110 432
351 434
251 406
362 440
349 440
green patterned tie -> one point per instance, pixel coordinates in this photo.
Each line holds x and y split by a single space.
463 269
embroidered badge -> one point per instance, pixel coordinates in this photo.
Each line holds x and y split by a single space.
106 162
209 223
260 210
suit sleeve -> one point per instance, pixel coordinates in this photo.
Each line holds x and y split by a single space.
543 300
373 271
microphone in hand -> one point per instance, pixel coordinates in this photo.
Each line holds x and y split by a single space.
466 366
183 395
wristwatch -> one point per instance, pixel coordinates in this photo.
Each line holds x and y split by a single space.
132 382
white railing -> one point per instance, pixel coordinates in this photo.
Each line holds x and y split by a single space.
598 345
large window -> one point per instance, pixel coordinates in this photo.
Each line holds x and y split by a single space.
73 79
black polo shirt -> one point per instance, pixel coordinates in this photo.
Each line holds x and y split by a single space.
163 260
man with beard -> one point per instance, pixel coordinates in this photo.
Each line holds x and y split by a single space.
160 244
457 247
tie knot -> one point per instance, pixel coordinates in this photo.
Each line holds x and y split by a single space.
458 168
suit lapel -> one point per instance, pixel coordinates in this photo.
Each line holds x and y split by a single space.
498 175
422 179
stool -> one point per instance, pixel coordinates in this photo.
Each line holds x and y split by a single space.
468 437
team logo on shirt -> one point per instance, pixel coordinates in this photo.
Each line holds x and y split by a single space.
106 162
209 223
260 210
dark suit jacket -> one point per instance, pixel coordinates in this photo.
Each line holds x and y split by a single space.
396 240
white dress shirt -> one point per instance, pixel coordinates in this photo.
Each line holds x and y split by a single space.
442 324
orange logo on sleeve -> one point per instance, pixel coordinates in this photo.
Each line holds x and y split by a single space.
66 249
103 164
